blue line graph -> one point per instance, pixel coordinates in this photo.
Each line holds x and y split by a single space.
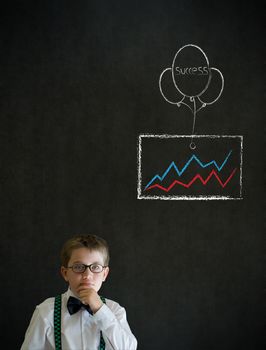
180 172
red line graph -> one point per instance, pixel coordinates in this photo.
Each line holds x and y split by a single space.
196 177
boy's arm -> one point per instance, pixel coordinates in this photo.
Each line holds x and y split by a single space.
112 321
36 334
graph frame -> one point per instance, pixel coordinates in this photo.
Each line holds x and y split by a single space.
185 197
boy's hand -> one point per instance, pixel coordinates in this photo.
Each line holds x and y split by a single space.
90 297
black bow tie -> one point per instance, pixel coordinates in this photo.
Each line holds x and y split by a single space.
74 304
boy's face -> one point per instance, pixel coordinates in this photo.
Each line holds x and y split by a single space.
87 279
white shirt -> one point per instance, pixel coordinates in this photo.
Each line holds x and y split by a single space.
80 331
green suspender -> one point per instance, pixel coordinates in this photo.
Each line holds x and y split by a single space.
57 324
102 342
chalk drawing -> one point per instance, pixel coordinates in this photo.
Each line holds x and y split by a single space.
190 176
192 76
190 167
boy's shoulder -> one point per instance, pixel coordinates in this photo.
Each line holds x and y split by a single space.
49 302
46 305
114 306
112 302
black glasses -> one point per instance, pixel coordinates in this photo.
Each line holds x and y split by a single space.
80 268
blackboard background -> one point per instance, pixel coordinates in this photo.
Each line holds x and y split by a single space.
78 84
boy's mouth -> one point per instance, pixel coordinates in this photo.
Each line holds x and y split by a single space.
86 284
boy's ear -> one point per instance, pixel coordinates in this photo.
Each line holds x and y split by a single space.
106 272
64 273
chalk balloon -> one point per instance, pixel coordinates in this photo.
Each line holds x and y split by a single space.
190 71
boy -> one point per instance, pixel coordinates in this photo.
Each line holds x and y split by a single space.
87 320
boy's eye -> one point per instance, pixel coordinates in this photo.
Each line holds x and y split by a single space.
96 267
79 267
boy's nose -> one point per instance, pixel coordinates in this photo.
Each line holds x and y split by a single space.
87 273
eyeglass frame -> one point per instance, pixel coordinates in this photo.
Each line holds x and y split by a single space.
87 266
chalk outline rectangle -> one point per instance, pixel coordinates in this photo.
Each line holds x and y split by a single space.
165 136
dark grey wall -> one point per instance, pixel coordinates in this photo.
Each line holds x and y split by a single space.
79 83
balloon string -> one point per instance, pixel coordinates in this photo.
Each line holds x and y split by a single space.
192 144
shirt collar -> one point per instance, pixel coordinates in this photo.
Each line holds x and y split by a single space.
69 293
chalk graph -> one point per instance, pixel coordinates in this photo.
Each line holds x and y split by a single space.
180 172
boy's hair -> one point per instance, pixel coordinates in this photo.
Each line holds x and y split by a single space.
92 242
